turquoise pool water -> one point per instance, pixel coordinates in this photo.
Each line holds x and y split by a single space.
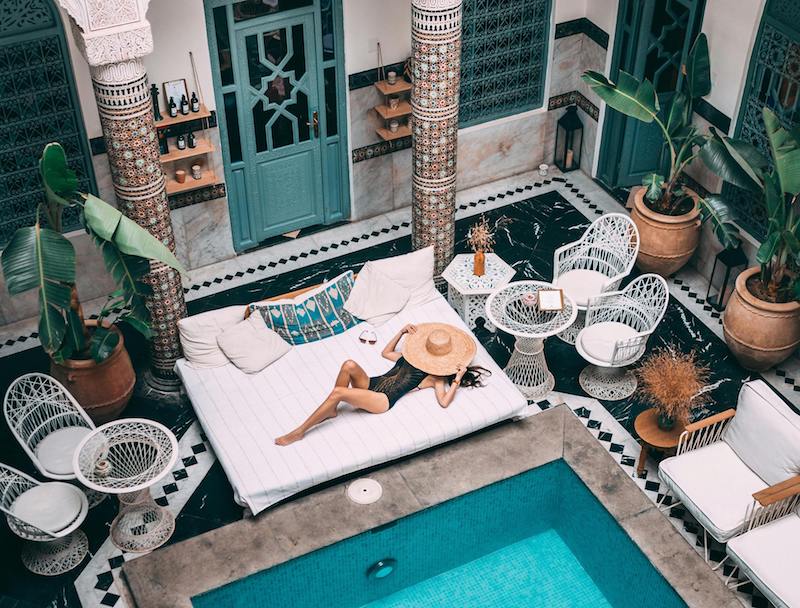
537 539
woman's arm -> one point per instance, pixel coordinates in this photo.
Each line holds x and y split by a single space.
389 351
444 394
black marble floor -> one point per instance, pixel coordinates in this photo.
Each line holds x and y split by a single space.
537 227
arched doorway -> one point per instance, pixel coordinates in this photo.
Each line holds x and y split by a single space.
38 104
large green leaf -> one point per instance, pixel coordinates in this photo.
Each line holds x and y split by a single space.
74 341
717 211
60 182
35 255
729 164
698 69
102 343
679 115
785 153
654 185
629 96
110 225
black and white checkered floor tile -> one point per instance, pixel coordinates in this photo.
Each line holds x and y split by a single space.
625 450
96 585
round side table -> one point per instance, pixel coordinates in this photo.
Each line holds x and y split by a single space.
510 309
651 437
126 457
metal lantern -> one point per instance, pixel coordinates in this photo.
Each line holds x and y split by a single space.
569 141
729 260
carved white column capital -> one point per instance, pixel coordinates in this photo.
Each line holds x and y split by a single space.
110 31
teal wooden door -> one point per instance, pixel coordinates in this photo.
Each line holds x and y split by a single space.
280 87
280 117
653 41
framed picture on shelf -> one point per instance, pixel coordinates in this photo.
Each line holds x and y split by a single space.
175 89
551 300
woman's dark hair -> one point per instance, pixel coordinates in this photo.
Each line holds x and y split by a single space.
473 377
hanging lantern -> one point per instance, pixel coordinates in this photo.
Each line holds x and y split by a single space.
569 141
729 260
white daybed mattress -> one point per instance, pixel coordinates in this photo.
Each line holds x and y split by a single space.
242 414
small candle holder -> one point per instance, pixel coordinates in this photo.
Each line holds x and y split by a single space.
529 299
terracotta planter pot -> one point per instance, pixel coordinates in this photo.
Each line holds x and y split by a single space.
666 242
102 389
760 334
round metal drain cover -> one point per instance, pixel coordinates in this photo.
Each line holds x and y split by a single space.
364 491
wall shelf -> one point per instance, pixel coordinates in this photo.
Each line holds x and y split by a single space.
169 121
203 147
388 135
209 178
384 111
386 89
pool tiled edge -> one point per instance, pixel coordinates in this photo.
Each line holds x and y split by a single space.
172 576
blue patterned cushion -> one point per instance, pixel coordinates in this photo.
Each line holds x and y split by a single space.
311 317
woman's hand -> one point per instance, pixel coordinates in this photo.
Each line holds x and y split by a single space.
460 371
409 329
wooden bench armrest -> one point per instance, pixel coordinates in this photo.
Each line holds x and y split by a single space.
780 491
700 424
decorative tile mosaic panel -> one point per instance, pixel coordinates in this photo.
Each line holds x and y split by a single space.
504 63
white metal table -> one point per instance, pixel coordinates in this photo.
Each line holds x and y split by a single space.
126 457
513 310
467 292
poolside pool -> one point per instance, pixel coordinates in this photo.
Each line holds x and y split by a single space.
537 539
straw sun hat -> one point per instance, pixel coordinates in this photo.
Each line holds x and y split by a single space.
438 348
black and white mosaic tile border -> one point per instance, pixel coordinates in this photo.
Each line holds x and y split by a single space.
574 98
584 26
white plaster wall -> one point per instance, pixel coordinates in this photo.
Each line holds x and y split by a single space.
179 26
603 13
731 32
567 10
367 22
83 82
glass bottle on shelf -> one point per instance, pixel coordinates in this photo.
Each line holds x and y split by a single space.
191 140
184 105
195 102
173 109
181 142
163 145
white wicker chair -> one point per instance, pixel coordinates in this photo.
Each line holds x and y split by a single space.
47 515
618 325
596 263
48 423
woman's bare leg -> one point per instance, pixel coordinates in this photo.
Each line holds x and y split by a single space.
358 396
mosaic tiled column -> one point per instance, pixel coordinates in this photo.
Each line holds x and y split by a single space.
436 56
123 101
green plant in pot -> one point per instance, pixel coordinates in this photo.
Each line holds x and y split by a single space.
762 320
668 214
88 356
674 383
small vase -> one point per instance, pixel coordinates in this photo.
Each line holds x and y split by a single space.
479 264
665 423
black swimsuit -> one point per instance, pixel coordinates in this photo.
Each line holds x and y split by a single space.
398 381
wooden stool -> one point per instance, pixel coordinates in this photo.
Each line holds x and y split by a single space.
651 437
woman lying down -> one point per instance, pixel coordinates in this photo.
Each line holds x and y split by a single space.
434 355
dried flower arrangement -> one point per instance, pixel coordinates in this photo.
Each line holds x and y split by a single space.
674 383
481 235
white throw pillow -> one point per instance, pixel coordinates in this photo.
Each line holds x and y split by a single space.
199 335
375 297
414 271
251 345
765 433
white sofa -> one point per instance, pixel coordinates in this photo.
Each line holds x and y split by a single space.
724 460
767 553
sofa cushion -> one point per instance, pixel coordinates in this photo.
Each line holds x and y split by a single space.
199 335
580 284
715 485
768 556
765 433
375 297
251 345
414 271
51 506
55 451
599 339
313 315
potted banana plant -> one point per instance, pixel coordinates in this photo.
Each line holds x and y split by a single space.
762 320
88 356
668 214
